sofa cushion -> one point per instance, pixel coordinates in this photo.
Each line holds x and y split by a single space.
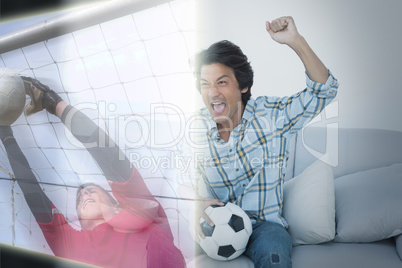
347 255
398 242
368 205
309 205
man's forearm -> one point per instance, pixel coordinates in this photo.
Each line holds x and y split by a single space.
315 69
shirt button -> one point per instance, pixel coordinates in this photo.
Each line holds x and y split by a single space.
237 169
230 150
244 185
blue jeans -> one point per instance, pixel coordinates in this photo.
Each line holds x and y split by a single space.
270 245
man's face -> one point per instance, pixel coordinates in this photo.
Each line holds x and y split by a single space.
91 201
221 94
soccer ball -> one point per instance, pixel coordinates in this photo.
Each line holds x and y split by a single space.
228 238
12 96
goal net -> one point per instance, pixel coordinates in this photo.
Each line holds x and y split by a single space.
131 75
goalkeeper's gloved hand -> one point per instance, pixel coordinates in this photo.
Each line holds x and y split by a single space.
42 97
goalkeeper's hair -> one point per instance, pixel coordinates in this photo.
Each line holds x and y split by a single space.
229 54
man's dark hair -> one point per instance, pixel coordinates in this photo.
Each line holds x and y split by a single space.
83 186
229 54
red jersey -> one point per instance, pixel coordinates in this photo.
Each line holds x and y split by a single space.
106 247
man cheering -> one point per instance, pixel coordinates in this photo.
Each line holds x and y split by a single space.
246 140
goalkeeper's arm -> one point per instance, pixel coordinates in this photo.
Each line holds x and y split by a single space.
38 202
105 152
113 162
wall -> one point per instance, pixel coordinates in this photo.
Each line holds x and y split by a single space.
359 41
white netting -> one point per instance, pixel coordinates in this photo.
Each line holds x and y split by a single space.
131 75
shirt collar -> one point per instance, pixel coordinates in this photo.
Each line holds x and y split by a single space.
249 110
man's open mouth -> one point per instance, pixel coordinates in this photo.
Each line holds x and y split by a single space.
218 107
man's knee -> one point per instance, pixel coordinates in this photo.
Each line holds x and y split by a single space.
271 246
275 258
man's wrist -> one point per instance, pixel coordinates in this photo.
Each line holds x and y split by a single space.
298 43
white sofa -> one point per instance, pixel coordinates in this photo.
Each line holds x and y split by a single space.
364 164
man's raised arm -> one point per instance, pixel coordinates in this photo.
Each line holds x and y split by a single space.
283 30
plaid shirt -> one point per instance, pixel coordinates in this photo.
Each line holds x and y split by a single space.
249 169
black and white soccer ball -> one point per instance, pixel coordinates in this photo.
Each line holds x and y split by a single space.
228 238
